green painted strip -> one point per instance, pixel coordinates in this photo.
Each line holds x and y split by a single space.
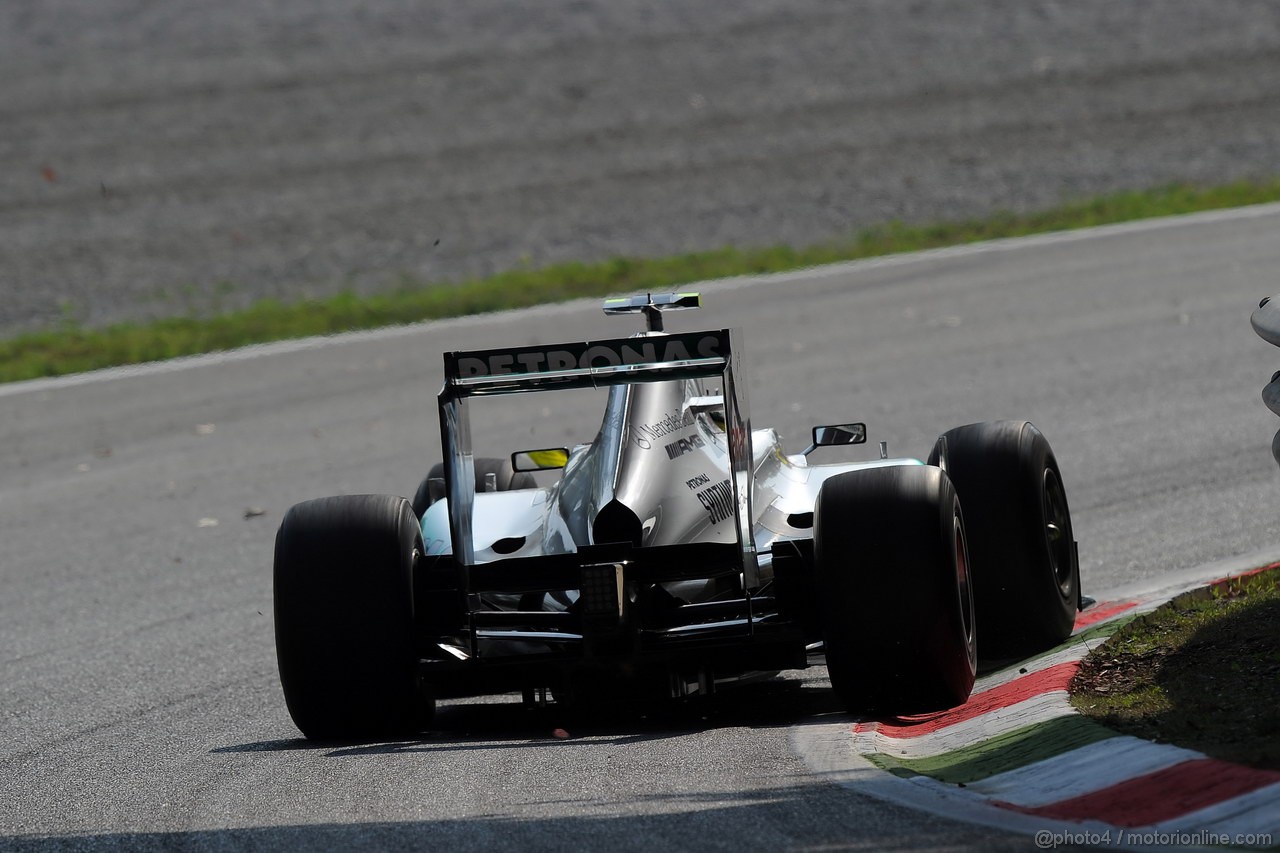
1013 749
1009 751
1102 629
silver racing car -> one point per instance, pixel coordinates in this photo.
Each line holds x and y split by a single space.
677 551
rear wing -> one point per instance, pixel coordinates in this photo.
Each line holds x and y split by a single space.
648 357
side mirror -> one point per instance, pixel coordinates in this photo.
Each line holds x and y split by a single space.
547 459
837 434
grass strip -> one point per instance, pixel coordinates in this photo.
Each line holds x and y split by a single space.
1202 672
73 348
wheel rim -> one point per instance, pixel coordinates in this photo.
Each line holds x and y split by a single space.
962 579
1057 531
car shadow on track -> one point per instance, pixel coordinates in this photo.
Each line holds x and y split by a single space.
505 722
805 815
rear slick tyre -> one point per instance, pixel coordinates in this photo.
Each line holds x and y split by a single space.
892 572
344 617
1026 587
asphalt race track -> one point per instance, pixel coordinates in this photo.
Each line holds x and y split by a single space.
157 158
141 708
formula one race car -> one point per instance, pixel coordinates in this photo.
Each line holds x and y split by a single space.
679 550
